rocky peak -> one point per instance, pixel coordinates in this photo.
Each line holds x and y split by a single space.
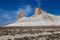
21 15
37 11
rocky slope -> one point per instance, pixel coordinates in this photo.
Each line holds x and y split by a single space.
40 18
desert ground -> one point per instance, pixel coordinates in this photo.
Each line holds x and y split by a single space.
30 33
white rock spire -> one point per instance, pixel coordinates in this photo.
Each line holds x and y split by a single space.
37 11
21 15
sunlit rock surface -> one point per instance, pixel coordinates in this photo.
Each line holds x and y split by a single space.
40 18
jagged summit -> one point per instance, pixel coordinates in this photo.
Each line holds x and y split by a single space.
21 15
37 11
40 18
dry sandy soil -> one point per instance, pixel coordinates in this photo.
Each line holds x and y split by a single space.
30 33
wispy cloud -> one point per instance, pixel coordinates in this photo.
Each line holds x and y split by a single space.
7 16
26 10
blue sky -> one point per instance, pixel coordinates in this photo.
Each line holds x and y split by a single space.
9 9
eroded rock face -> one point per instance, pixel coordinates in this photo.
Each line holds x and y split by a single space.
37 11
30 34
9 39
21 15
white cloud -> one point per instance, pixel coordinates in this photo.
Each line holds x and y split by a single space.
26 10
7 16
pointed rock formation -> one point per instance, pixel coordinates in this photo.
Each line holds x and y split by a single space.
40 18
37 11
21 15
